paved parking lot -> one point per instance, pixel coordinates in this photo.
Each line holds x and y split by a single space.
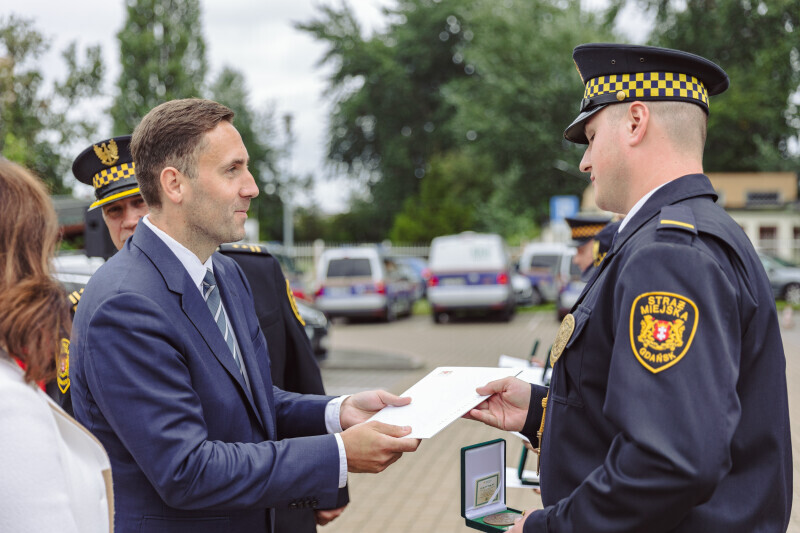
421 492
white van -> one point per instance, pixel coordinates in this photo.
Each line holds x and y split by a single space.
359 281
547 265
470 272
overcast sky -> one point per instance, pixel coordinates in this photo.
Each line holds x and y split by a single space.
256 37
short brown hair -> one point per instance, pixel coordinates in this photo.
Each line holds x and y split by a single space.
35 306
171 134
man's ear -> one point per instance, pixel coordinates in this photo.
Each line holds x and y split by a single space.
172 184
637 119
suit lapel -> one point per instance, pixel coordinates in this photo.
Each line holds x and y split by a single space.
193 305
259 376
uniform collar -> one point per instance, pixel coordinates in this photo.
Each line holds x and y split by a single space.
689 186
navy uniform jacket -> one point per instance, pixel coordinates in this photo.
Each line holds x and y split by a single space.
192 448
293 365
668 408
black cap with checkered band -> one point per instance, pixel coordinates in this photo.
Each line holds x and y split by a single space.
108 167
618 73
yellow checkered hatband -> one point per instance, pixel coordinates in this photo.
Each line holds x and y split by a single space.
115 173
645 86
587 231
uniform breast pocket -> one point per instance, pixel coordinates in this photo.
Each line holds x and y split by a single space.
567 356
268 318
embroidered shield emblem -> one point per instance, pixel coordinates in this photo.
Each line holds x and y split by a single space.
662 328
62 375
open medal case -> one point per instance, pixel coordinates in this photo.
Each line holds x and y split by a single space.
483 487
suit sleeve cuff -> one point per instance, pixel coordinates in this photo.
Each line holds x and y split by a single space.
332 422
535 410
342 461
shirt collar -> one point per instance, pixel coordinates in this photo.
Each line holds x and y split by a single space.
636 207
188 259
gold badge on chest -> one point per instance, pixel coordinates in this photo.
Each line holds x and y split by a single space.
562 338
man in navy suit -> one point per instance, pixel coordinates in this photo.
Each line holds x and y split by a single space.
171 369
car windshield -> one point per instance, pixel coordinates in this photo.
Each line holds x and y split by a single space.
349 268
545 262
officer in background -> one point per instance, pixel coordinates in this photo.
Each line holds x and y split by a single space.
292 363
667 409
583 230
603 241
108 167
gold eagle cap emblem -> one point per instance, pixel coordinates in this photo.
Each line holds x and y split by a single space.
562 338
107 153
662 327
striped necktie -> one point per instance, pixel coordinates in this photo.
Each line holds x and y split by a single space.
211 296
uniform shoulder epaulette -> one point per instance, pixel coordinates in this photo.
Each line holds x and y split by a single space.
676 223
74 298
244 248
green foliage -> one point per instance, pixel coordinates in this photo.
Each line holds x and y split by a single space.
453 186
37 123
258 135
758 45
389 114
162 53
466 80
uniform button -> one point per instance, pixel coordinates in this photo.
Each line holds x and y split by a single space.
293 505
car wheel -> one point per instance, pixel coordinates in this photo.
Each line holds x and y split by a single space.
441 318
536 297
390 314
792 294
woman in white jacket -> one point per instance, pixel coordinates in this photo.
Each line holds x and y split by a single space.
54 475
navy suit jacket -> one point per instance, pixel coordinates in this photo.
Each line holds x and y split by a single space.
192 448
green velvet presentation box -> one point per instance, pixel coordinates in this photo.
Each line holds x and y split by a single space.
483 487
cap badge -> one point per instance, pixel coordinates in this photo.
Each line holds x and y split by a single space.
108 154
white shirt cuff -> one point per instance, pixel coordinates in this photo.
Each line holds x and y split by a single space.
332 422
342 461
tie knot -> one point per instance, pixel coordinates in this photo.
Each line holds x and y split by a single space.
209 280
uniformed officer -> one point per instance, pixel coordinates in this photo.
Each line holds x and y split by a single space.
667 409
108 167
293 366
583 230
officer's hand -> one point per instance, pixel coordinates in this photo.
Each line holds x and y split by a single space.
373 446
324 516
507 407
520 523
360 407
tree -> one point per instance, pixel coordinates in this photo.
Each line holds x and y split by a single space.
38 123
524 93
257 130
758 45
389 112
162 53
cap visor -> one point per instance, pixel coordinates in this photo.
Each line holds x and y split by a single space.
574 132
114 197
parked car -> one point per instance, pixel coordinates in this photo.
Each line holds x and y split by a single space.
470 272
420 267
316 327
784 277
547 266
523 289
570 292
360 281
